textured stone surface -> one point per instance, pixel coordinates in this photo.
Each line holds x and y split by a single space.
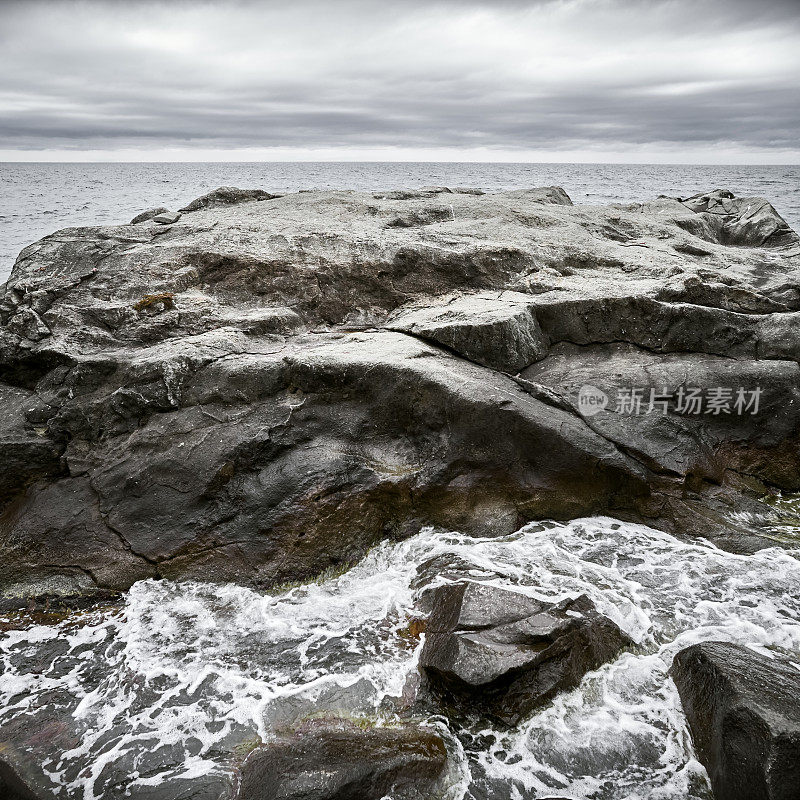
232 394
742 221
167 218
146 216
497 651
743 710
498 331
21 778
341 761
228 195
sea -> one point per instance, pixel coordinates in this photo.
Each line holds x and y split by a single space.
156 690
37 199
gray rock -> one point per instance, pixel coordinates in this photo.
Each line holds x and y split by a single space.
337 760
227 396
743 710
742 221
28 324
497 331
228 195
145 216
667 437
34 743
168 218
22 775
15 787
504 653
552 195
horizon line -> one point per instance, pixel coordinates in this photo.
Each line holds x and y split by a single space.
408 161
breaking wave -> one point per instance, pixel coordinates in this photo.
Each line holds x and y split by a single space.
169 684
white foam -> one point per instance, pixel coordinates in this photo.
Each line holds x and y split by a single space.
190 665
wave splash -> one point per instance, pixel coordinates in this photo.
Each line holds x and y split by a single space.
180 677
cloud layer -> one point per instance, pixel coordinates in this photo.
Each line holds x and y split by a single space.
356 77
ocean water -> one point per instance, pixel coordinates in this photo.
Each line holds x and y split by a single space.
37 199
159 687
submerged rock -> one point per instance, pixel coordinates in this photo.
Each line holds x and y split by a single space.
337 760
264 391
504 653
743 710
36 739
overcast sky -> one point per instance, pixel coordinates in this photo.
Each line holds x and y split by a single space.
554 80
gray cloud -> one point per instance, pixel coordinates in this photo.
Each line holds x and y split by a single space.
510 76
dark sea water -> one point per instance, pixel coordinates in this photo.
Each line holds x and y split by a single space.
37 199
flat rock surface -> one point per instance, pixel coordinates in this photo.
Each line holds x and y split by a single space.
496 330
266 387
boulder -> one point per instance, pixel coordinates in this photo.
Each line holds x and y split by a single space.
338 760
226 196
552 195
167 218
497 331
743 710
503 653
741 221
145 216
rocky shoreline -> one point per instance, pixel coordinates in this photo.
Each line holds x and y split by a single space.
259 389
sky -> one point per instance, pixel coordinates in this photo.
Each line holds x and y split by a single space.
667 81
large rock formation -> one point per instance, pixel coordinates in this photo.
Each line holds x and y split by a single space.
503 653
743 710
266 387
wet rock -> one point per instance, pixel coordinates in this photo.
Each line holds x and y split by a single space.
503 653
228 398
648 413
743 710
742 221
448 566
34 740
498 331
28 454
167 218
288 448
338 760
226 196
145 216
28 324
19 778
12 787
